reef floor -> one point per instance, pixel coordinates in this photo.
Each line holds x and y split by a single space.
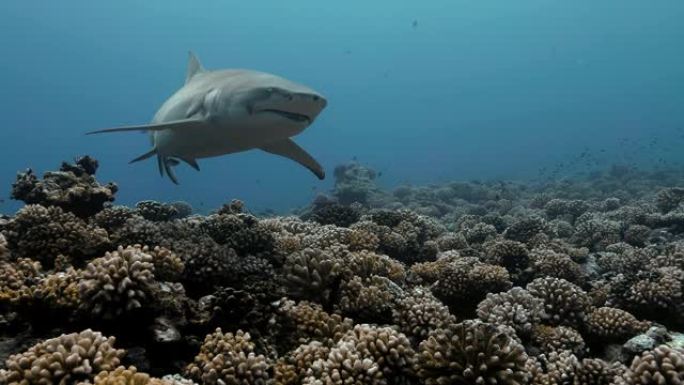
573 281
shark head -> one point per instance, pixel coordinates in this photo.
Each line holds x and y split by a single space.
271 101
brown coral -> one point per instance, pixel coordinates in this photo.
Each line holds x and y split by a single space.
564 302
43 233
72 188
119 282
660 366
65 359
309 322
227 358
516 308
369 300
610 323
419 312
311 274
471 353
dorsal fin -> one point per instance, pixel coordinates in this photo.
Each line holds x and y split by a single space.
194 67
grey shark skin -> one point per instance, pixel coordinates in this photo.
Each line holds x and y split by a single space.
227 111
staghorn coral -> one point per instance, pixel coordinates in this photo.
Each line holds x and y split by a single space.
117 283
515 308
227 358
419 312
660 366
612 324
43 233
63 360
564 302
73 188
471 353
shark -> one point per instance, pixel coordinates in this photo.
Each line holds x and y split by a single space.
219 112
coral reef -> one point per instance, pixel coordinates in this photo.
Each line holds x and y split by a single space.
570 282
72 188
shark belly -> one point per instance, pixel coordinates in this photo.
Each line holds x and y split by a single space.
212 140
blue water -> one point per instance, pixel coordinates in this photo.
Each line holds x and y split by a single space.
424 91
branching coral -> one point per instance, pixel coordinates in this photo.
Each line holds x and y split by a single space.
419 312
292 369
660 366
548 263
117 283
465 283
4 251
557 339
471 353
614 324
366 355
230 359
156 211
516 308
241 232
72 188
43 233
311 274
369 300
564 302
309 322
131 376
512 255
64 360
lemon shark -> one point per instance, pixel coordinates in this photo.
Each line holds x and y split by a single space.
227 111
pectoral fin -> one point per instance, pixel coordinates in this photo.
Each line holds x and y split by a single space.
183 124
289 149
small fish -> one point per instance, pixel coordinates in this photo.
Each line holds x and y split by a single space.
415 24
379 174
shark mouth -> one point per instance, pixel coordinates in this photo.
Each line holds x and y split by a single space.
290 115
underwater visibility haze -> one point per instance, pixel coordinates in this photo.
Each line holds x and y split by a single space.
391 192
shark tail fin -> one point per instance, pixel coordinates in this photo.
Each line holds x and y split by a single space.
194 67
